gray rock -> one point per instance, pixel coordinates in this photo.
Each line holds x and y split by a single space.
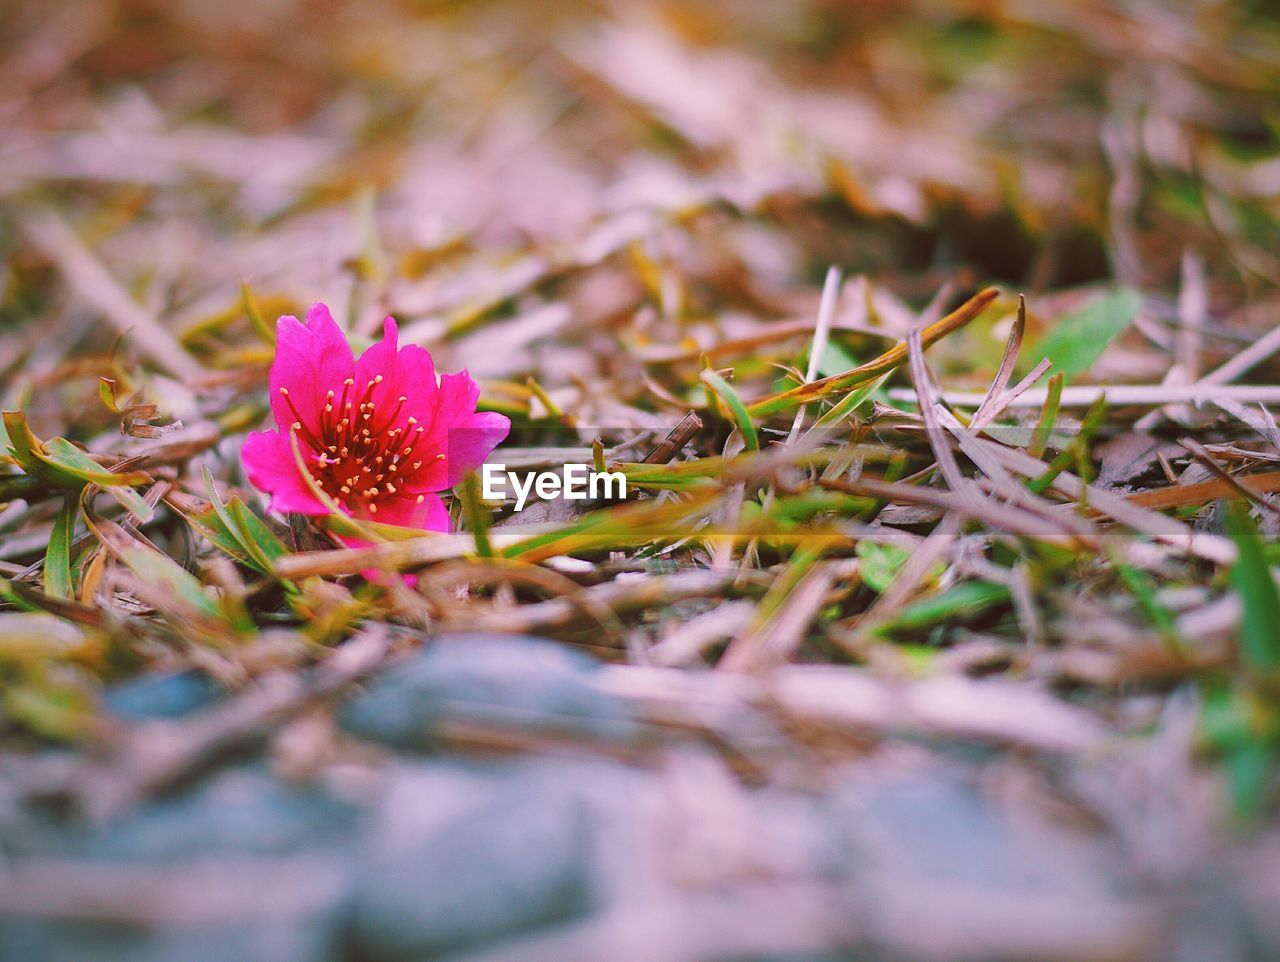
225 912
243 866
161 696
935 869
518 863
96 942
239 812
515 683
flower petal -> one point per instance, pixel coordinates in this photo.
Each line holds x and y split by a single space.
269 463
429 514
465 438
407 372
471 443
311 360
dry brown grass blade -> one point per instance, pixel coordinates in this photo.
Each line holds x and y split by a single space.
886 362
774 642
90 280
1205 457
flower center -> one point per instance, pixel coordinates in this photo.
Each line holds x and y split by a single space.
360 455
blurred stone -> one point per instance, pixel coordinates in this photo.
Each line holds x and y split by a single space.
243 866
515 864
241 811
208 911
934 869
490 682
1213 921
161 696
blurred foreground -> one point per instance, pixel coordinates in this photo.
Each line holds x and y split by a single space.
970 669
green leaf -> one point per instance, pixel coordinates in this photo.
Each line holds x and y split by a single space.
1079 337
880 563
1251 578
961 601
62 464
57 558
209 523
255 533
254 543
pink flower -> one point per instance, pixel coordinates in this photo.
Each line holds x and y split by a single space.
379 435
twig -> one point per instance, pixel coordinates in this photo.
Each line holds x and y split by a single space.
670 446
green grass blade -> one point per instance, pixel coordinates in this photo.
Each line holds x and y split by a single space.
1251 578
724 390
58 582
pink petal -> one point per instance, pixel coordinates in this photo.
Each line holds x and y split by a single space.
269 463
311 359
465 438
430 514
471 443
407 372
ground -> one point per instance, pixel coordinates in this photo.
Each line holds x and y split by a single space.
936 343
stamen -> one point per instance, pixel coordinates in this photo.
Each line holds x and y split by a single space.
297 424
